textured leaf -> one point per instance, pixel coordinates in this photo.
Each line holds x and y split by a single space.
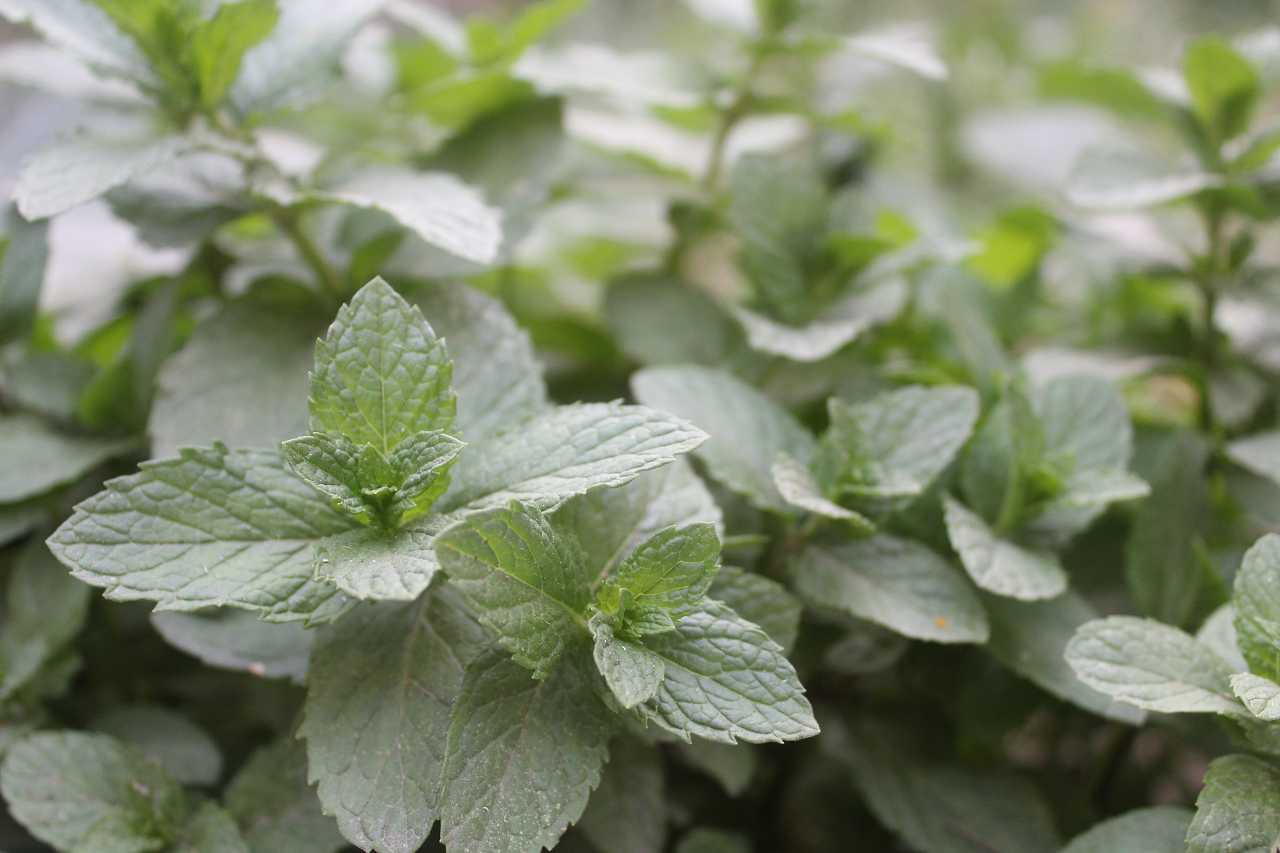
897 583
235 639
38 458
217 45
565 452
1257 605
1218 632
1238 810
1151 665
182 747
210 829
1260 695
330 465
436 206
1086 420
627 814
1123 180
83 792
632 672
1159 829
278 811
797 487
671 569
525 579
997 564
747 430
46 609
211 527
377 714
380 374
726 681
366 563
762 601
523 756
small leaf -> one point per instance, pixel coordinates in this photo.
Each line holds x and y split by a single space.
798 488
1224 87
525 579
1238 810
366 563
997 564
1151 665
761 601
1159 829
632 672
1098 487
627 814
672 569
1257 605
422 460
210 829
523 756
218 44
1260 695
234 639
39 458
183 748
330 465
813 342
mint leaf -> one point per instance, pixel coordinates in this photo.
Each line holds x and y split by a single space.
726 681
366 563
217 45
1257 605
1260 695
998 565
1260 453
797 487
747 430
1218 632
565 452
211 527
82 792
671 569
1098 487
380 374
331 467
897 583
627 814
1086 421
210 829
1224 87
812 342
84 31
377 713
632 672
1238 810
24 252
1159 829
757 599
182 747
522 756
1151 665
278 810
1109 179
423 460
39 458
238 640
45 610
732 765
525 579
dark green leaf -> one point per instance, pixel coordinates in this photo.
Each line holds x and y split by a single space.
218 44
1238 810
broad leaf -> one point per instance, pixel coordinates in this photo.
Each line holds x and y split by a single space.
998 565
632 672
726 681
210 527
1238 810
761 601
377 714
218 44
279 811
747 430
627 814
45 610
1123 180
1257 605
813 342
797 487
1085 420
523 756
1260 695
1260 453
898 583
39 458
526 581
84 31
1151 665
671 569
367 563
210 829
1224 87
184 749
236 639
1159 829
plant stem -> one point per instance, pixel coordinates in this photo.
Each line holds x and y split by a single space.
330 282
730 117
1207 280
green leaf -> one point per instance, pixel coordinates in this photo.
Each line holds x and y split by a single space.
1030 638
1260 695
1257 604
367 563
703 840
218 44
726 681
24 250
897 583
565 452
627 814
238 640
45 610
747 430
1218 632
39 458
331 467
436 206
182 747
1097 487
1224 87
212 527
813 342
210 829
659 319
377 715
1159 829
632 672
1238 810
524 578
523 756
998 565
672 569
1122 180
86 792
380 374
799 489
1260 453
1151 665
84 31
278 810
1086 422
733 766
761 601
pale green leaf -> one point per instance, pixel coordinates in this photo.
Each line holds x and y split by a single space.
998 565
377 715
897 583
902 46
627 814
1238 810
217 45
330 465
1098 487
1159 829
813 342
523 756
759 600
1260 695
1151 665
24 250
45 610
238 640
658 319
747 430
726 681
1257 605
799 489
632 672
1085 421
672 569
210 527
367 563
1105 179
1260 453
210 829
88 792
1218 632
83 30
278 811
184 749
39 458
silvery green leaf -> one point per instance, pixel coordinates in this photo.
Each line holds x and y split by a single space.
726 681
58 72
1260 695
898 583
1029 637
632 672
1124 180
423 460
672 569
565 452
761 601
523 756
217 44
84 31
1158 829
905 46
1257 604
1218 632
798 488
39 458
525 579
330 465
1098 487
24 249
236 639
210 829
436 206
186 750
657 318
210 527
747 430
813 342
1151 665
1086 420
279 811
367 563
1238 810
627 813
998 565
1260 453
377 715
45 610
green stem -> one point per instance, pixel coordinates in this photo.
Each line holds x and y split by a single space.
730 117
330 282
1207 280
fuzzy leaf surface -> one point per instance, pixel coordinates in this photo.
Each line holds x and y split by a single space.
757 599
632 672
366 563
671 569
1238 810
